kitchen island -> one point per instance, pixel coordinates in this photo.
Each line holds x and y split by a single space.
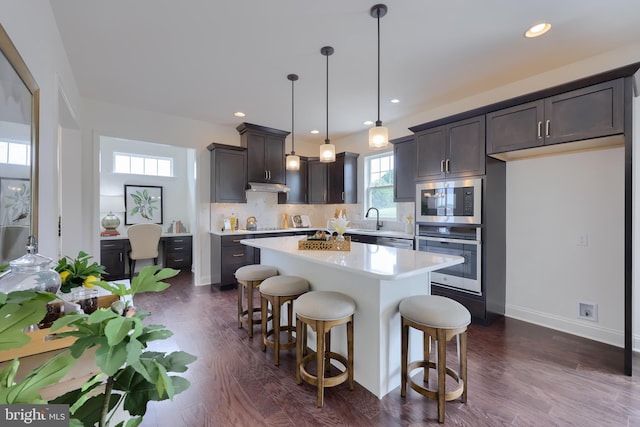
377 278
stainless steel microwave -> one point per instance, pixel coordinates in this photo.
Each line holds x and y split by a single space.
451 202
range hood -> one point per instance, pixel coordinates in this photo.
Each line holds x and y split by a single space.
267 187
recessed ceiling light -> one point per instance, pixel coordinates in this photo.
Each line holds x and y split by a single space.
315 131
368 123
538 30
239 114
395 100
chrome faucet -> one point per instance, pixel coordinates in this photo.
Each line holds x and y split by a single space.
378 223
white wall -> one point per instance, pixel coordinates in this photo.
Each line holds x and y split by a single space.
551 203
32 29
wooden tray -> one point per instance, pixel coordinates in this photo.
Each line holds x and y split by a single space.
325 245
43 340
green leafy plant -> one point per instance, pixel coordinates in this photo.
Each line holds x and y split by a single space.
19 310
78 271
130 376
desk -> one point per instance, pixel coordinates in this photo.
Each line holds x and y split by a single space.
175 251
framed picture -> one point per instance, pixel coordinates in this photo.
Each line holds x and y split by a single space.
15 201
143 204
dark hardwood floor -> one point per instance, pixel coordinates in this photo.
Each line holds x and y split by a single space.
519 375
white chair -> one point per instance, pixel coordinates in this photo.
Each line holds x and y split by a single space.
144 240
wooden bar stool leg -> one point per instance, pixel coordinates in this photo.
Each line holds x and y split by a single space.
327 349
405 358
250 308
320 356
290 319
350 352
442 364
264 321
275 308
240 296
463 364
300 341
426 354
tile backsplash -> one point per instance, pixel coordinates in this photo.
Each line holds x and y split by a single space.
265 207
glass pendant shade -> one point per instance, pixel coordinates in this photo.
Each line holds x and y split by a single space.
327 153
293 162
378 137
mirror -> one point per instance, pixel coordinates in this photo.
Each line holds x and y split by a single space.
19 99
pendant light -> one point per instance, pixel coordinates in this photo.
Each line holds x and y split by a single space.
292 161
378 135
327 150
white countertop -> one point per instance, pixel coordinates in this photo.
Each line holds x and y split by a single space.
378 233
380 262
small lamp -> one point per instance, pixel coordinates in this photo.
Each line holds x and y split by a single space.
110 221
327 150
378 135
292 161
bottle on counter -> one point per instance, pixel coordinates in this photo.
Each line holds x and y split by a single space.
232 221
237 223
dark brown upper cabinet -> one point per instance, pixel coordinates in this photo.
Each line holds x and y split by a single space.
265 153
317 181
452 150
228 173
298 183
404 169
342 179
586 113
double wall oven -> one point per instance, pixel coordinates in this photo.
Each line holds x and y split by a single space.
449 221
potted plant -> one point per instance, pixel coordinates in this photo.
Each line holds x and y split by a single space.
129 375
78 271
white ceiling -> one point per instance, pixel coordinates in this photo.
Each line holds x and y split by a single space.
205 59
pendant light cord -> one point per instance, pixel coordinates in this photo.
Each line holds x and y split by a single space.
293 145
378 122
326 141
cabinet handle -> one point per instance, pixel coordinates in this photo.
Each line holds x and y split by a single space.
120 256
178 260
238 255
343 196
236 241
177 240
108 246
540 129
441 165
178 249
548 128
269 175
447 166
265 175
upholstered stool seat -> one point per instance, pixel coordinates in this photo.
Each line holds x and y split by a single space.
321 311
439 318
278 291
249 278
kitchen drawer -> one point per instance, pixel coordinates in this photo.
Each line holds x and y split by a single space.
235 240
178 252
239 255
113 245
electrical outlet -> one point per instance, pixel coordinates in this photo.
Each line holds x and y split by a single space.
582 239
588 311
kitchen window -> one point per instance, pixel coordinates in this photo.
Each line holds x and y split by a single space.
142 165
378 177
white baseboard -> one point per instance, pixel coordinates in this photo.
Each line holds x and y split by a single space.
577 327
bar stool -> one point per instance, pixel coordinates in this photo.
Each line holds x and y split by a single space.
277 291
439 318
322 310
249 278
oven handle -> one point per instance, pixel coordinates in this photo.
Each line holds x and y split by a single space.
445 240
